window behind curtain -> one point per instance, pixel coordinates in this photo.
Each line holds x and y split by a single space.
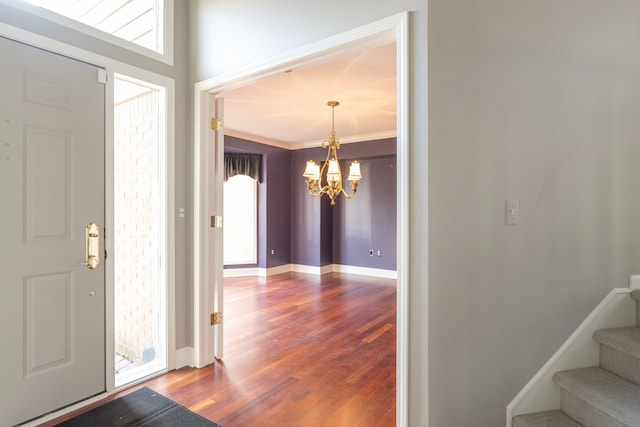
240 220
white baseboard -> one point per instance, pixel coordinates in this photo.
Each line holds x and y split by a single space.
365 271
266 272
241 272
311 269
257 271
184 357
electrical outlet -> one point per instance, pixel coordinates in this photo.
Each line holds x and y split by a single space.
379 252
370 252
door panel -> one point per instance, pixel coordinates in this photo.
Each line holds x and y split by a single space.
47 181
51 186
48 311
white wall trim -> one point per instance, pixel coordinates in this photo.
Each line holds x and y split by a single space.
311 144
394 28
243 272
310 269
365 271
402 251
272 271
184 357
368 36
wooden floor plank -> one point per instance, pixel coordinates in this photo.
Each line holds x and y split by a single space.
301 350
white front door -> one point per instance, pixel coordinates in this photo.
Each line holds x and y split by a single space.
52 307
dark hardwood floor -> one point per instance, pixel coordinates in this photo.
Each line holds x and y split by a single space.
300 350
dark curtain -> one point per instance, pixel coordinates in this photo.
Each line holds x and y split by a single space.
243 164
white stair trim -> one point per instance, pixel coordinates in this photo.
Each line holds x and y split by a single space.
617 309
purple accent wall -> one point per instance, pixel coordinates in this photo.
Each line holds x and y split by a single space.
305 220
368 221
274 213
278 212
327 213
305 230
343 234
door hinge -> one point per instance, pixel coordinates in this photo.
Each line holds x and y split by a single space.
216 124
216 221
216 318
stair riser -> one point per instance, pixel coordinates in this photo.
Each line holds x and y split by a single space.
551 418
519 423
584 413
621 364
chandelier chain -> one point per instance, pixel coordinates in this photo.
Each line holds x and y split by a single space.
333 121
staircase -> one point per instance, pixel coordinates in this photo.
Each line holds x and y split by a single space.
607 395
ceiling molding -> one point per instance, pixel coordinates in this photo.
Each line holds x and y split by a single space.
310 144
258 139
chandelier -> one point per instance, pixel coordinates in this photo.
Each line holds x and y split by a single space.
328 178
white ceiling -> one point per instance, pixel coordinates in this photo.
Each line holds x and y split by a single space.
290 110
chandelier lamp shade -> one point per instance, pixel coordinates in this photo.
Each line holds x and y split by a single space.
327 179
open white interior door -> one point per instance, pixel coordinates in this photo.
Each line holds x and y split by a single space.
217 275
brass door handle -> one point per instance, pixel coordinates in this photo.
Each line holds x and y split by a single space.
92 252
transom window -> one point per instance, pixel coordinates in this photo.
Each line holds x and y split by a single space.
137 21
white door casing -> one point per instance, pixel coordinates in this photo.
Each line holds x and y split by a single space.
394 28
52 124
218 237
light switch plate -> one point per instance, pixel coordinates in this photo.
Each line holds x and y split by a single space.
512 212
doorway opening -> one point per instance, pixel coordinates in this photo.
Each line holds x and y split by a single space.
207 265
140 281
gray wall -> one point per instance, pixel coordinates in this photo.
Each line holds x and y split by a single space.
537 101
183 148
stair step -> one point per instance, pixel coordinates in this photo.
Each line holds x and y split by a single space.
596 397
635 294
544 419
620 351
625 339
